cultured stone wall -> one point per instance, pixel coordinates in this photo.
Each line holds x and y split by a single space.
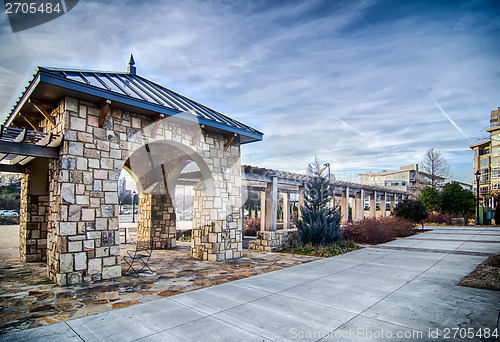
83 242
156 223
274 240
33 223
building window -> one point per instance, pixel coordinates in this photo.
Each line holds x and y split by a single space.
495 173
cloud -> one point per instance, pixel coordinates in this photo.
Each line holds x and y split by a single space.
338 79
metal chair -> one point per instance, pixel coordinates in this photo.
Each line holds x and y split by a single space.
138 259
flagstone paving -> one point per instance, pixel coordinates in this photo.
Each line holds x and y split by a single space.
28 299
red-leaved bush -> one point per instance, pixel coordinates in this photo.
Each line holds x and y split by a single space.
252 226
378 230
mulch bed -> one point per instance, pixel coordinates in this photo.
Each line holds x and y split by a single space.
486 275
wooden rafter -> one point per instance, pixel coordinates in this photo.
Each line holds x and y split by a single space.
229 142
156 125
42 111
197 135
31 123
104 113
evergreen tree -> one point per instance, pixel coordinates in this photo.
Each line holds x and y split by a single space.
413 210
431 198
457 200
319 224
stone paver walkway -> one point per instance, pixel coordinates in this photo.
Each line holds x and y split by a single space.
373 294
28 299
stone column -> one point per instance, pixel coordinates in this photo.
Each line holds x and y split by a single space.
156 221
83 242
286 210
34 212
269 207
393 202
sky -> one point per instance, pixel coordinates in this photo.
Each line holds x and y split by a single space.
364 85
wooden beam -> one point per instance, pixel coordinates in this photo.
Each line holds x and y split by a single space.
104 113
156 125
42 111
229 142
12 168
29 150
51 105
21 136
31 123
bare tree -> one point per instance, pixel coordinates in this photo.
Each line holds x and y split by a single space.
435 168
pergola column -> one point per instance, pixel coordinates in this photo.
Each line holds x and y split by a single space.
286 210
383 206
274 196
263 210
358 206
301 200
393 202
373 204
345 206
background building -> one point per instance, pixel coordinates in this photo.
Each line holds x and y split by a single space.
406 178
486 160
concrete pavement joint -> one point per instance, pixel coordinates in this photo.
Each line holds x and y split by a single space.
438 261
431 250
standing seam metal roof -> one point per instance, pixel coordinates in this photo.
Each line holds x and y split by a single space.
140 90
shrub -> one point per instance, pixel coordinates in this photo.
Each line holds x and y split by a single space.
252 226
439 218
378 230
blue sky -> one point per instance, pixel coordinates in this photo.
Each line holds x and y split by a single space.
364 85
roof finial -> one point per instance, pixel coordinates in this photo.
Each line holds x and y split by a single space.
131 68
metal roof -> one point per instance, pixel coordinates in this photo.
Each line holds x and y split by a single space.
132 92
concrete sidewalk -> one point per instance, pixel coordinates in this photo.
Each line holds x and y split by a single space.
405 289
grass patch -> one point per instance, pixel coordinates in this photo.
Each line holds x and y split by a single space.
485 276
333 249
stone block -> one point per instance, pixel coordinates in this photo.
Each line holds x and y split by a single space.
74 212
111 197
81 163
102 252
78 124
101 223
109 186
75 148
66 263
80 260
68 193
74 246
67 228
82 200
100 174
109 261
88 244
111 272
71 104
88 214
95 266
